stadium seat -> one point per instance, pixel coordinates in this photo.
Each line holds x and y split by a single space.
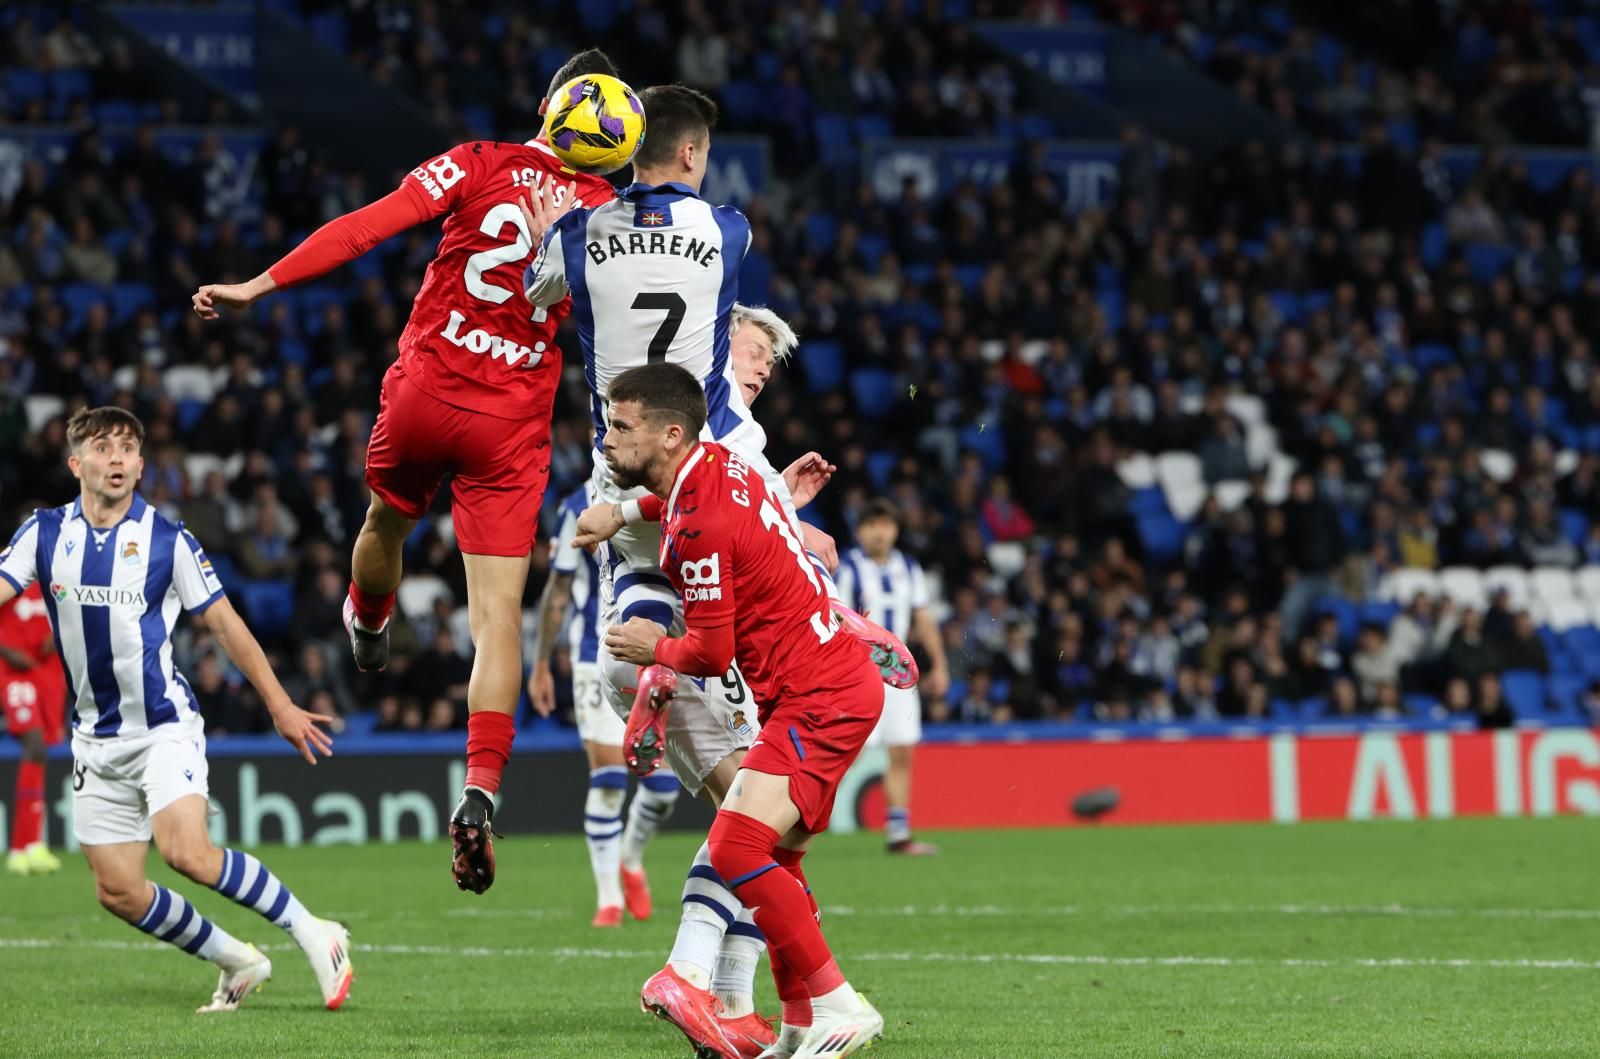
417 593
1432 355
872 247
1137 471
1231 495
1551 583
1378 613
332 30
71 84
196 465
1146 501
989 442
833 137
823 363
1260 444
1161 533
116 114
1435 243
1563 615
1280 472
79 298
1514 579
24 86
1247 408
189 414
821 232
874 391
1564 696
1348 615
1575 524
1499 465
1464 586
743 100
1181 479
269 604
40 408
1006 558
1487 260
1524 693
1403 585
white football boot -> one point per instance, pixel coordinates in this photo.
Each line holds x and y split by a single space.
328 949
833 1034
233 986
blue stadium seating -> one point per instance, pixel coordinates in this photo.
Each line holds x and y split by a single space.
1524 692
1487 260
823 363
880 465
1161 533
874 391
269 604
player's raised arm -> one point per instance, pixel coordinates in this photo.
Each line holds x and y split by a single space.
18 562
427 191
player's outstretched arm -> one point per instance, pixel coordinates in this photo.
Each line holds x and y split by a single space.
541 682
806 477
297 726
339 241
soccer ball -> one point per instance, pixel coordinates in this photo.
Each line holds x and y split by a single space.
595 123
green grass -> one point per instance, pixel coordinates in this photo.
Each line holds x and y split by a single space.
1217 941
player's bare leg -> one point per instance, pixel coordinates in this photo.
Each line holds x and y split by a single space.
29 855
184 842
757 845
375 572
125 892
494 609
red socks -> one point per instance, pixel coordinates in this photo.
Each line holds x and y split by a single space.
28 825
790 860
489 737
371 608
744 852
791 992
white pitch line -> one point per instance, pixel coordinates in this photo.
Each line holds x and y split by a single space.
1398 911
1059 959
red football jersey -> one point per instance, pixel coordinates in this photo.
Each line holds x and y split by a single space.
25 627
473 340
733 557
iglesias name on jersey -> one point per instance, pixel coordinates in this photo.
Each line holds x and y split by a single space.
889 592
653 276
583 626
471 341
733 557
113 597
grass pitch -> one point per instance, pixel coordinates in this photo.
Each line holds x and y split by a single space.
1464 938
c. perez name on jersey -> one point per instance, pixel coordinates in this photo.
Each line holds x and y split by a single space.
696 250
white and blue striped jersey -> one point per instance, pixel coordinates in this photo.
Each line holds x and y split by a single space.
114 596
653 276
583 622
888 592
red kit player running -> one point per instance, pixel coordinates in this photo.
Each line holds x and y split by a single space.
33 690
470 395
749 592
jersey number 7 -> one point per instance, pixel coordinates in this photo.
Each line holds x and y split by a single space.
674 306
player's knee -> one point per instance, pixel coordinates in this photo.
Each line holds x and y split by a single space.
605 801
193 860
123 898
385 521
736 848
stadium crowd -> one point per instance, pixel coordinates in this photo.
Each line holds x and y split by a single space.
1005 361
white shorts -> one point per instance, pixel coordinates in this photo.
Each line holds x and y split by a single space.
120 783
901 723
597 721
708 720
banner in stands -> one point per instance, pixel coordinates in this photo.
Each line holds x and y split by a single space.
1088 171
738 170
359 798
218 43
1286 778
1075 56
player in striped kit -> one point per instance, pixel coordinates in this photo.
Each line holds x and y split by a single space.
116 575
616 853
884 583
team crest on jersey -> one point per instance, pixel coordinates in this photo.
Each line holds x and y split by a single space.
58 590
130 553
656 216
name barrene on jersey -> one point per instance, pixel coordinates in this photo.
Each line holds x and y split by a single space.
699 251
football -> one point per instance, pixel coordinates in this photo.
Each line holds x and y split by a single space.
595 123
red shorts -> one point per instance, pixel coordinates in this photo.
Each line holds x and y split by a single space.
33 706
499 466
815 739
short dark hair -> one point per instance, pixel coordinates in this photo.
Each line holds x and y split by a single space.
673 114
878 508
87 424
664 392
588 61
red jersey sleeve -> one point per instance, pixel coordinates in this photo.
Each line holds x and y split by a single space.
443 182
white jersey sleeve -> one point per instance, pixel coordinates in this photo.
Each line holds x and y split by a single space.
192 575
545 282
19 563
565 559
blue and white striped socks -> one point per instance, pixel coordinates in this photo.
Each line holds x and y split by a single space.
709 909
734 980
247 881
898 828
172 919
602 827
652 804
